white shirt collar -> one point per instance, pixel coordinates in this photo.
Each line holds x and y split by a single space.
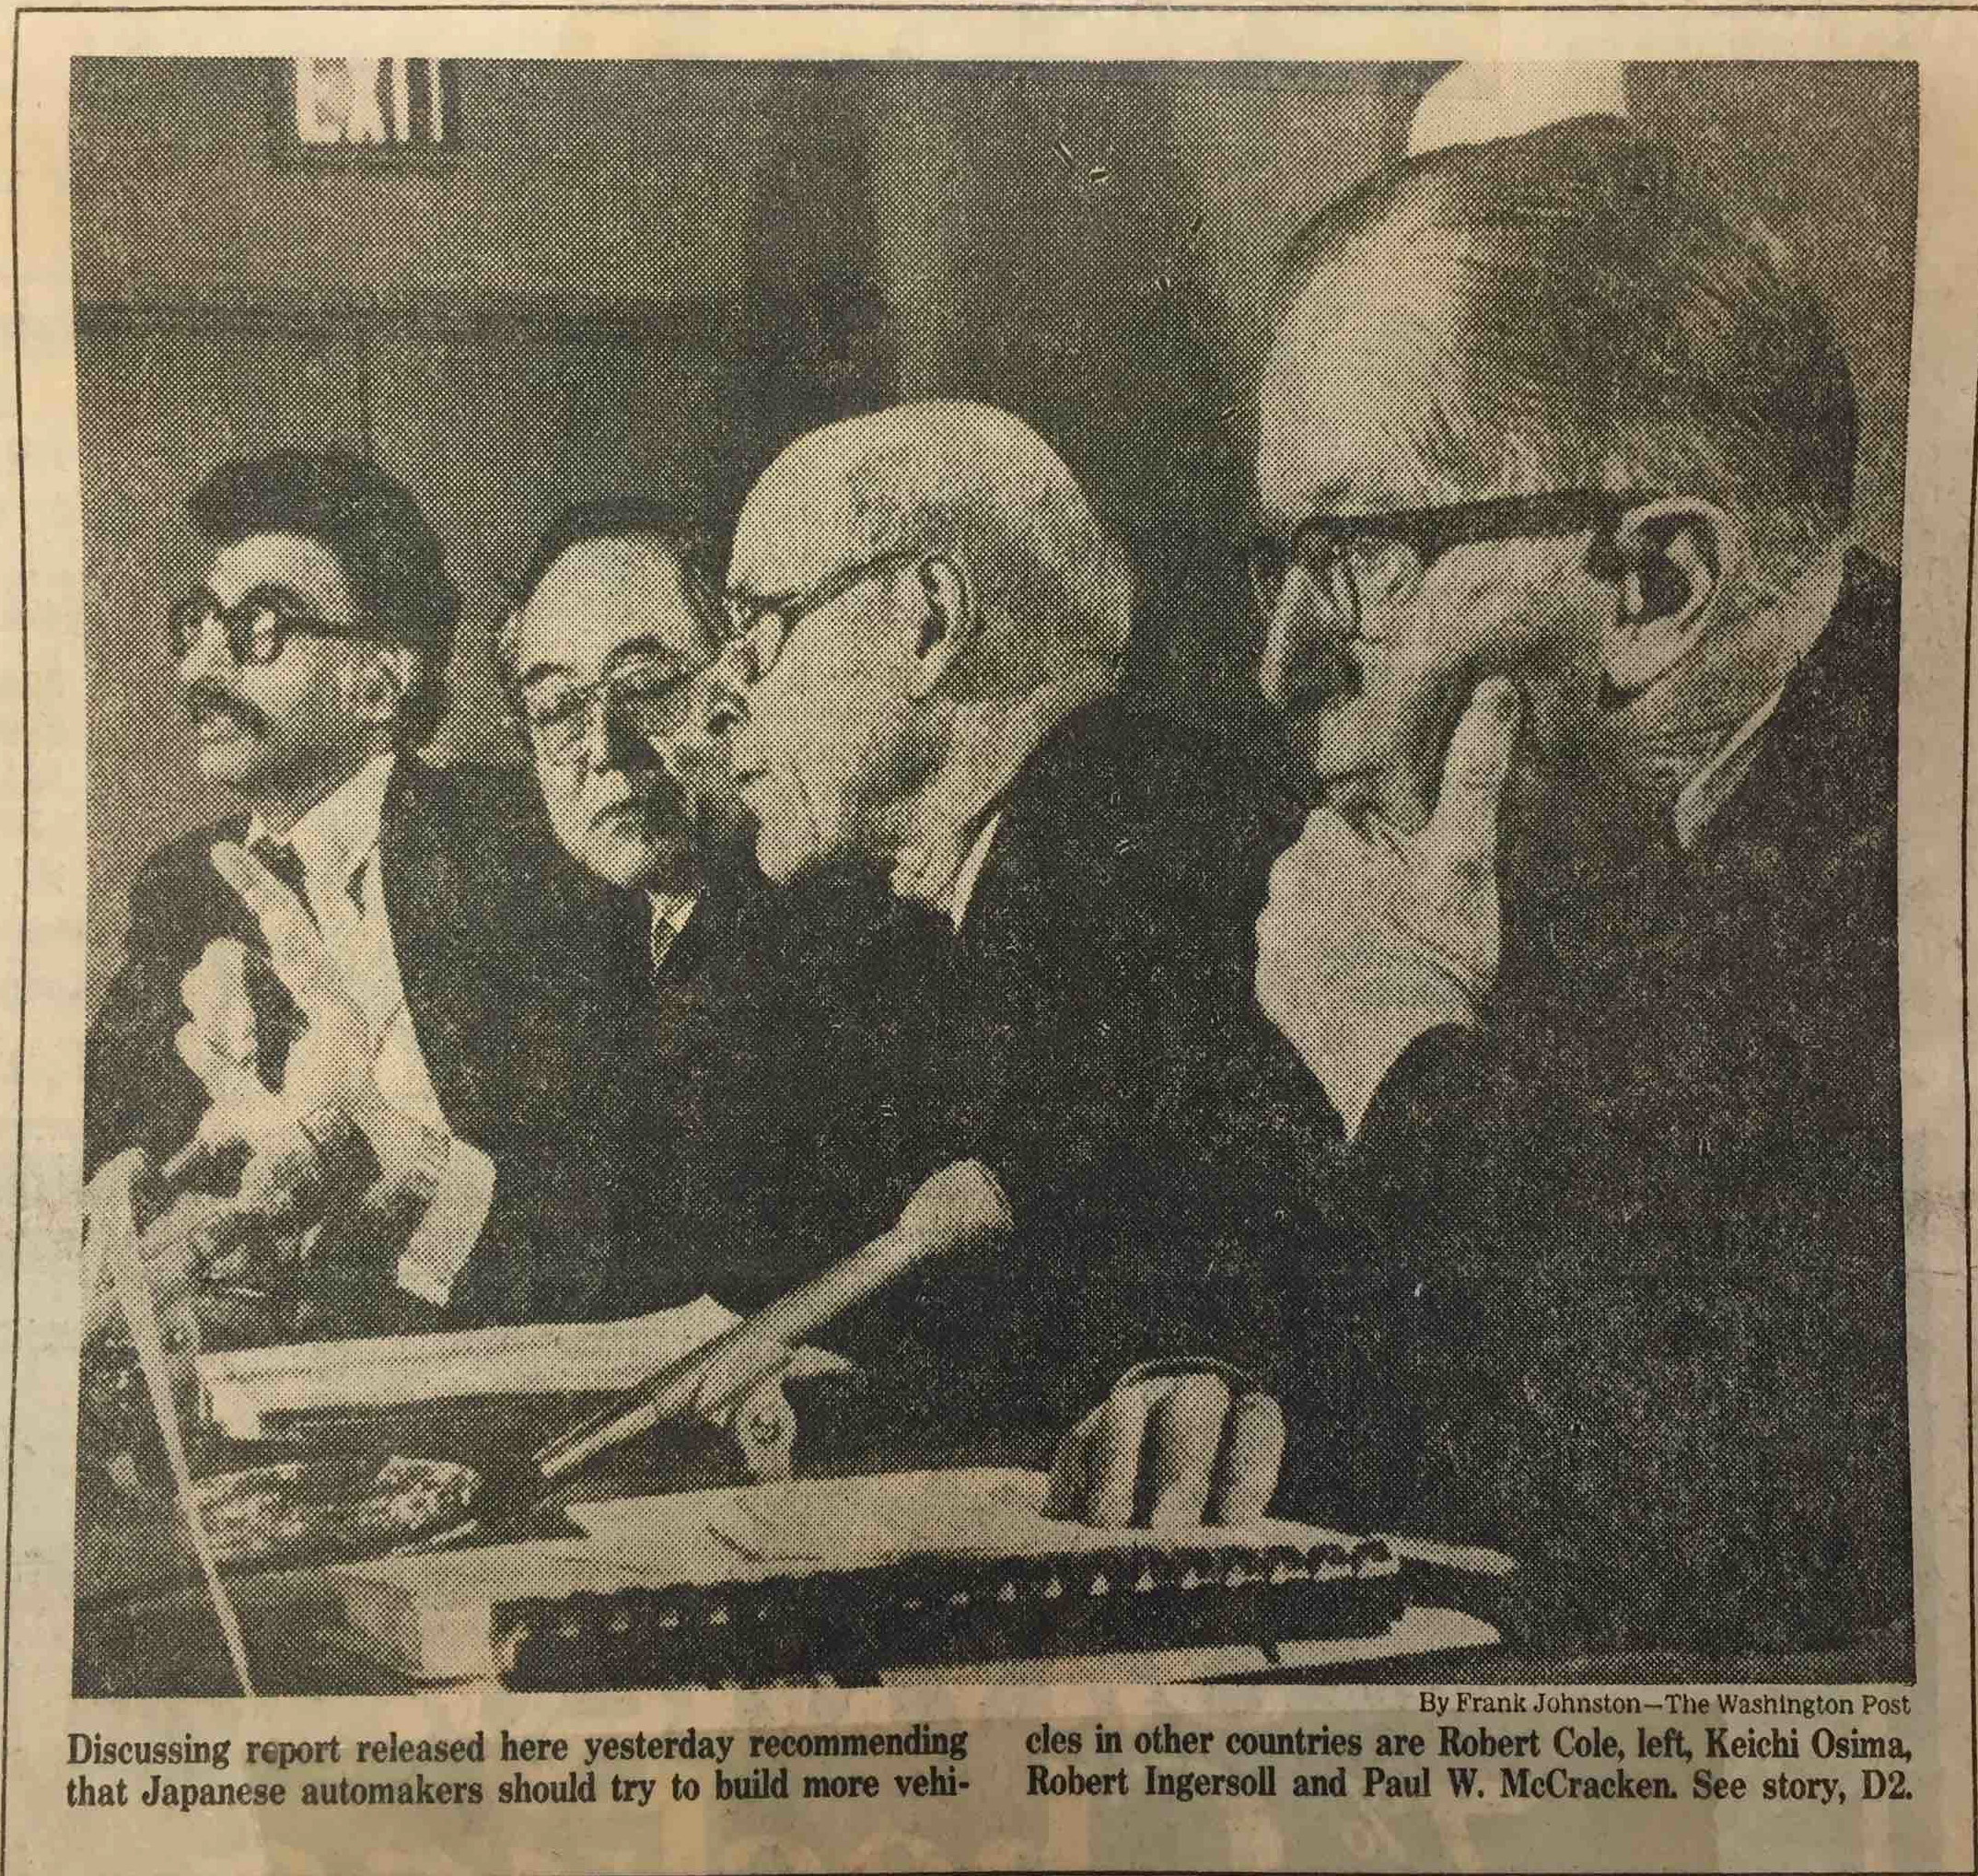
962 888
672 909
338 835
1708 790
669 913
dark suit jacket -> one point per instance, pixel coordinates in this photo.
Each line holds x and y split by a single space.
1640 1315
507 985
726 1073
1090 1033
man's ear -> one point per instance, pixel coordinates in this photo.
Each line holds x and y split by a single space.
1670 561
381 680
943 604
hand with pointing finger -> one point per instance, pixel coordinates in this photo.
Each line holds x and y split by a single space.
218 995
331 1063
329 1146
1369 940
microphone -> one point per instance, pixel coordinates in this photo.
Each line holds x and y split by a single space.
960 1207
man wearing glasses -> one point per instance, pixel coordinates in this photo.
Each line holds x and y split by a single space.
930 624
715 1041
415 914
1589 937
606 657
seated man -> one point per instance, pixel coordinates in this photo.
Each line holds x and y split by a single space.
604 656
1591 935
736 1054
398 979
718 1053
310 661
931 624
608 655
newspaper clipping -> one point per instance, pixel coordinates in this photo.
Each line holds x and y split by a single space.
1010 939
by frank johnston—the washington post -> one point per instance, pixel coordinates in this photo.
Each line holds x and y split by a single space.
1003 937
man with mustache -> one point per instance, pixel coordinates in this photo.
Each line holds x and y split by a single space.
442 961
1589 937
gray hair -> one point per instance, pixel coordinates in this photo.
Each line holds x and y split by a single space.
1593 305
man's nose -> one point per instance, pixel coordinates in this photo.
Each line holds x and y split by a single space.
1304 656
209 655
723 706
735 670
610 739
729 713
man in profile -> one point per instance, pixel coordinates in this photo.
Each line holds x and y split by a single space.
1589 937
432 922
930 625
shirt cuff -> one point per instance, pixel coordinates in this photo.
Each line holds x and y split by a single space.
439 1248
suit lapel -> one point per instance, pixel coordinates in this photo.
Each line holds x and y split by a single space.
688 950
429 904
217 910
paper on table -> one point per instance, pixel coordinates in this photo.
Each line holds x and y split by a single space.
241 1388
994 1512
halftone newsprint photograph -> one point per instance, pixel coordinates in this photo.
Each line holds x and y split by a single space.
1020 940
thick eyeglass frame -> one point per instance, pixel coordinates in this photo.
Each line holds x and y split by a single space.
749 612
1324 545
560 736
258 623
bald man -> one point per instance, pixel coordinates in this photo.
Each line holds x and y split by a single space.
1562 608
929 625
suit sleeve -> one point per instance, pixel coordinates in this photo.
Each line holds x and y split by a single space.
440 1244
551 1219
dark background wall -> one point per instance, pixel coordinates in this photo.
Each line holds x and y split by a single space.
652 276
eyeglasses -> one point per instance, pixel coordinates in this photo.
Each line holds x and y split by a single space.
763 623
1325 545
258 623
653 698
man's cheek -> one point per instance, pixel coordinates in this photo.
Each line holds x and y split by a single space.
567 816
781 803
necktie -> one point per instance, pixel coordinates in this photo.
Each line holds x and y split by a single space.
285 864
661 936
277 1020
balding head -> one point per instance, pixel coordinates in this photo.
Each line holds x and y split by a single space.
985 604
946 477
1577 306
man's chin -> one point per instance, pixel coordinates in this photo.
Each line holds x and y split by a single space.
782 857
634 862
235 762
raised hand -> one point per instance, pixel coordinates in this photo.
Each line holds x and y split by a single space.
331 1063
1367 941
